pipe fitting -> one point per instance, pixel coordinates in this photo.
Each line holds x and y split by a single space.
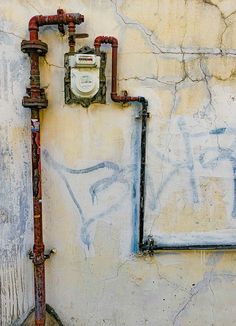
36 98
106 40
61 18
35 102
34 46
99 40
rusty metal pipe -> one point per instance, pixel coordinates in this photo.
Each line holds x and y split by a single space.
71 28
38 250
35 48
114 44
61 18
36 100
144 114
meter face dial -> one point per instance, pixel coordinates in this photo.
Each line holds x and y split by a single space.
84 83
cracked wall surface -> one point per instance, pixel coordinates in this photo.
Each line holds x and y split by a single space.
180 55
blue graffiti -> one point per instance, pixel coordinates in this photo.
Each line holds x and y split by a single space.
222 154
218 131
189 156
118 176
186 162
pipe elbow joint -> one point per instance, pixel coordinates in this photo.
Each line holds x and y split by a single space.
115 97
34 23
142 100
113 41
106 40
98 41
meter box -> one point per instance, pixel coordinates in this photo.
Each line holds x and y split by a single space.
85 81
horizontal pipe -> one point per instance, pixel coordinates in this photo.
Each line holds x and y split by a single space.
188 247
61 18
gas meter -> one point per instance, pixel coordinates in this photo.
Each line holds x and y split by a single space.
85 81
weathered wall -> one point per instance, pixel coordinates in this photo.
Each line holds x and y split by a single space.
15 193
180 55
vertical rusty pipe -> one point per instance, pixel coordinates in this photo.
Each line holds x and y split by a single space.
38 250
99 40
35 77
71 29
143 115
114 69
36 100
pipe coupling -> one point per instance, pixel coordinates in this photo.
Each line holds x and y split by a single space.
34 46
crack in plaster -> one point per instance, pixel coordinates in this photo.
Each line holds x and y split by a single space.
223 17
144 29
198 288
33 7
11 33
210 103
51 64
180 50
119 267
201 286
209 2
172 284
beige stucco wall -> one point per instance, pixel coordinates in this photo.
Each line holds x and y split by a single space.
180 55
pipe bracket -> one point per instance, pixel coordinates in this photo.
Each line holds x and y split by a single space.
51 252
143 114
39 260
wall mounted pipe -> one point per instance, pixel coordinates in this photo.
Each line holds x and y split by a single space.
144 115
114 44
216 247
35 48
36 100
148 244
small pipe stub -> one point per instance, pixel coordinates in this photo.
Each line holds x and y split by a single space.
37 46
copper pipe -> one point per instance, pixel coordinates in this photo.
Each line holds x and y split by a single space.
36 100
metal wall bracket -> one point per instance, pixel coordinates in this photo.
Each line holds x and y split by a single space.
46 255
